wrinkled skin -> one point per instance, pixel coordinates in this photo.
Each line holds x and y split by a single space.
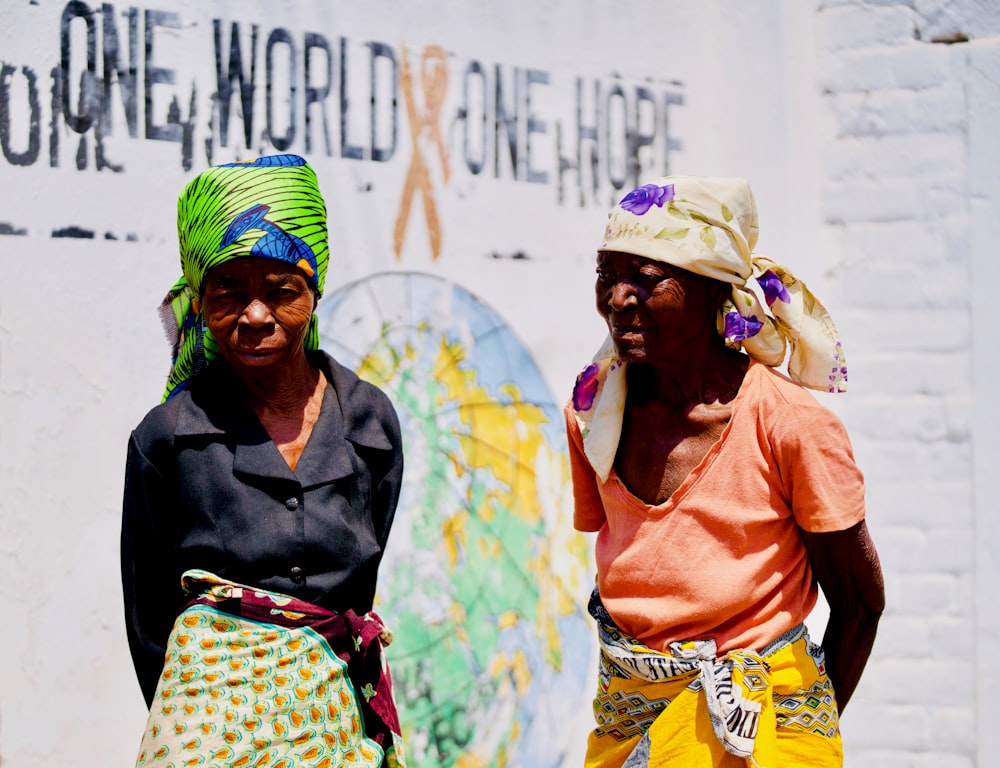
258 311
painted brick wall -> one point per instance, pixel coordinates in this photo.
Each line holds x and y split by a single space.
898 223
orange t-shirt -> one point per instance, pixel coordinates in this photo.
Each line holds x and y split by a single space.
722 558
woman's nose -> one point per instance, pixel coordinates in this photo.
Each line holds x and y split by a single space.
257 313
623 295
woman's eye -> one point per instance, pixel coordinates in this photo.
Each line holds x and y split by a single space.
223 289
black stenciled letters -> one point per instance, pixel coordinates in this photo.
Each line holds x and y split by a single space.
280 36
127 80
234 70
587 132
535 125
352 151
382 154
618 132
637 138
474 71
81 121
507 122
30 155
612 142
317 94
671 144
172 131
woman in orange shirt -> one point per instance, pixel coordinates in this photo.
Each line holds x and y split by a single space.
723 495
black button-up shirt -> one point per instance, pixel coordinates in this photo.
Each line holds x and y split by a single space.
206 488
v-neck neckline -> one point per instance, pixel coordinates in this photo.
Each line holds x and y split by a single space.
700 469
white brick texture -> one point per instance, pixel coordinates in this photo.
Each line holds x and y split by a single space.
898 211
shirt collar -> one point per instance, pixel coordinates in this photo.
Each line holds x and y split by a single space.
349 412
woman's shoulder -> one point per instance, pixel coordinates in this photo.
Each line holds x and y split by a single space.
350 387
775 388
788 412
158 426
367 409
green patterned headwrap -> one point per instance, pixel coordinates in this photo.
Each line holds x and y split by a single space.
268 208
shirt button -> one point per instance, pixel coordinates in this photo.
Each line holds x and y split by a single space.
292 504
297 575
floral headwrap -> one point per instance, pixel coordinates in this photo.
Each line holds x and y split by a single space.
709 226
268 208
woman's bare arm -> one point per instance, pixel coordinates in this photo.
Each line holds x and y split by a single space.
846 566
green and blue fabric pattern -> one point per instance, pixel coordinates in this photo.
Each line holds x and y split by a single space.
270 207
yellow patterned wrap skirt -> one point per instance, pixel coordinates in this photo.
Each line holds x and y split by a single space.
256 679
689 709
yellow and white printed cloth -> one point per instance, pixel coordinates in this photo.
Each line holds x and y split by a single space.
688 709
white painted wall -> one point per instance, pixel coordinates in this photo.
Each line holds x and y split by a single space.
909 197
872 151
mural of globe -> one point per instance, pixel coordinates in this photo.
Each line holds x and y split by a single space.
484 579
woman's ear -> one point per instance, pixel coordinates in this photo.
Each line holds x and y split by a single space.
720 293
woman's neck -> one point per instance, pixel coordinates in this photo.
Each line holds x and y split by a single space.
288 407
284 393
707 374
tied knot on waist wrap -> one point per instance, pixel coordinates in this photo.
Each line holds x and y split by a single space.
739 688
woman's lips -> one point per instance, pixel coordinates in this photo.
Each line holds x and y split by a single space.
255 354
627 333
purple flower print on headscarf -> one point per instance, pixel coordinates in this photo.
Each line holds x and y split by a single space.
586 388
739 328
773 288
640 200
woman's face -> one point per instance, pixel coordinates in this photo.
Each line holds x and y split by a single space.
653 309
258 310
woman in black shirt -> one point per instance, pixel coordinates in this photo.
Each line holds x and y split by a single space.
259 497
